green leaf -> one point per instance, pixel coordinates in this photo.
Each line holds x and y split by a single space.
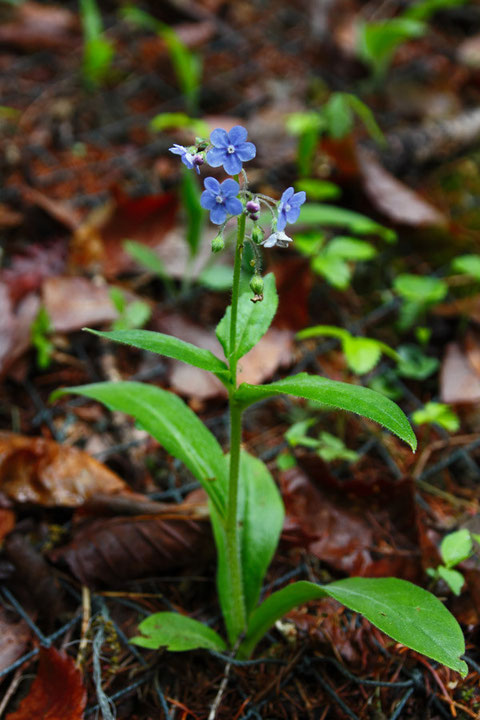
260 518
348 248
170 421
453 578
456 547
135 315
331 448
174 121
335 270
334 394
216 277
333 216
318 189
195 213
420 289
253 320
146 257
339 115
413 363
170 346
467 265
438 413
424 9
378 41
176 633
405 612
362 354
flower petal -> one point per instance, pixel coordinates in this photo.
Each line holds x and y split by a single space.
299 198
287 195
237 135
229 187
219 138
218 214
178 149
187 160
216 156
246 151
271 241
282 221
212 184
233 206
232 164
207 200
292 214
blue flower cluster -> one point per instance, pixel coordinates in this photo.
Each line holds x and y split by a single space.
231 150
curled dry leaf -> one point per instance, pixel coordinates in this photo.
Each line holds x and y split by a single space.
110 551
41 471
57 693
15 635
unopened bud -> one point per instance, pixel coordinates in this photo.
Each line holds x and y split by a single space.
198 159
256 285
254 217
253 206
257 235
218 244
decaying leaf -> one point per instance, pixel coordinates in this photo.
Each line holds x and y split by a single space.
57 693
34 26
76 302
459 382
15 327
43 472
15 635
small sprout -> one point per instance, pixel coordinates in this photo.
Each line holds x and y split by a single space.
438 414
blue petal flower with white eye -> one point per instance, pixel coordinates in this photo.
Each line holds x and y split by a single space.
277 238
289 207
230 149
221 199
186 156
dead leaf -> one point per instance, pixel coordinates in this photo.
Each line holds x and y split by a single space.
76 302
459 383
110 551
34 26
15 327
26 271
15 636
393 198
57 693
7 522
63 212
43 472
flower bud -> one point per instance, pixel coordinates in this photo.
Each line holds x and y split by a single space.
257 235
218 244
253 206
256 285
198 159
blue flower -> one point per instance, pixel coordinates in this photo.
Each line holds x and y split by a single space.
220 199
289 207
277 238
187 157
230 149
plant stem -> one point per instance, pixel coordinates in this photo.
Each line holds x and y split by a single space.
232 528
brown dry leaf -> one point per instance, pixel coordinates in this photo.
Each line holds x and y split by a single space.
34 26
360 527
394 199
7 522
110 551
469 307
459 383
41 471
63 212
57 693
8 217
76 302
15 327
15 636
27 270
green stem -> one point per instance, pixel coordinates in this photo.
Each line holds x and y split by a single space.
232 527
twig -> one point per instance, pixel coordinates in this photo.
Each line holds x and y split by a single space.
11 689
86 614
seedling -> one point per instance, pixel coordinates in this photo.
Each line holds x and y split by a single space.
377 42
414 364
467 265
39 334
455 548
329 447
246 509
419 295
98 52
131 315
435 413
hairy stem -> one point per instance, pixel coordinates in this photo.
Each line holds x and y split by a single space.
232 528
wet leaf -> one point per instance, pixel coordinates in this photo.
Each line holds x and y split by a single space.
40 471
57 693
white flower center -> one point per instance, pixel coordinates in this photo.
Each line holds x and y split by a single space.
230 149
219 199
288 207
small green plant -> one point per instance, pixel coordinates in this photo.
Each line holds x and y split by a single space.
98 52
362 354
413 363
39 335
438 414
454 549
131 315
377 42
246 509
419 294
467 265
329 447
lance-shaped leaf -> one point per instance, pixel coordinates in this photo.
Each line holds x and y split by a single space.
177 633
260 517
407 613
334 394
169 346
253 320
170 421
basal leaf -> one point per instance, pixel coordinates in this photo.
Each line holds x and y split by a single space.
169 346
405 612
253 320
334 394
177 633
170 421
334 216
